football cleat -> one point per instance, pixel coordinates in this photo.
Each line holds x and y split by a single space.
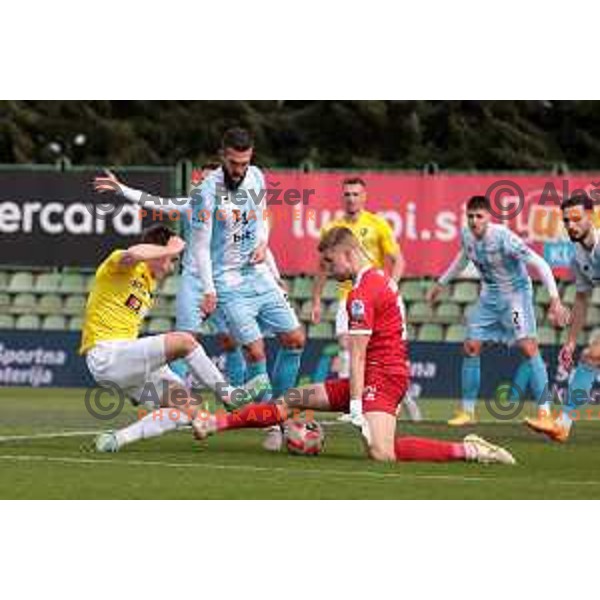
259 388
204 425
462 418
479 450
274 439
549 427
107 442
412 408
345 418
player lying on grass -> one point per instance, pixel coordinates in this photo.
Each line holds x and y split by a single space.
379 373
577 212
121 296
505 310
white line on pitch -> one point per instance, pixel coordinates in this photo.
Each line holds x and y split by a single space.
44 436
253 468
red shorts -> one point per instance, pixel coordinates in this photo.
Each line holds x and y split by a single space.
383 392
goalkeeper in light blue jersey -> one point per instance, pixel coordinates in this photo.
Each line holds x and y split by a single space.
505 310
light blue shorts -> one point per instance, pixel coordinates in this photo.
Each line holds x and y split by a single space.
188 316
256 307
502 317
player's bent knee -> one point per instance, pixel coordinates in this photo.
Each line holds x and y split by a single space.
180 343
472 348
529 348
295 339
255 353
227 342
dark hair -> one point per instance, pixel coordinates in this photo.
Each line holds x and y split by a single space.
354 181
578 199
478 203
211 165
337 236
238 139
157 234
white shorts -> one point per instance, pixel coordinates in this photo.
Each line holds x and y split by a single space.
341 318
138 367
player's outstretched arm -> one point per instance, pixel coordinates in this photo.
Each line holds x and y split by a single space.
110 183
458 265
202 237
144 252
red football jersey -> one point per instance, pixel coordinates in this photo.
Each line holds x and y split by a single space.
373 308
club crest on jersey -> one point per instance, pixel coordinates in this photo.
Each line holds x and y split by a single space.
134 303
357 310
369 393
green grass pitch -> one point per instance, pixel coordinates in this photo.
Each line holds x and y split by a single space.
34 464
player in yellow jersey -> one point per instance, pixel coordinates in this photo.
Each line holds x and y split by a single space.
121 296
377 239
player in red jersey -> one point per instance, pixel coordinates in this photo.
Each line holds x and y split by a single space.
379 373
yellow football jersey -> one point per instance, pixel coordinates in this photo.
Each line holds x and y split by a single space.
120 298
375 235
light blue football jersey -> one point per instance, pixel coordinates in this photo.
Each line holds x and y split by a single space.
585 265
237 225
500 257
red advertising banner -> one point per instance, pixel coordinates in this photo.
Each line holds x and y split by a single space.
426 212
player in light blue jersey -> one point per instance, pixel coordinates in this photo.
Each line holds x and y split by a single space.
577 214
231 233
189 316
505 310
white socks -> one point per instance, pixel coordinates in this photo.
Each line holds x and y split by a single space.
204 370
152 425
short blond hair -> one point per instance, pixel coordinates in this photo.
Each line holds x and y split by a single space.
338 236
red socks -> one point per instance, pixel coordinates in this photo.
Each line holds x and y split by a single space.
428 450
252 415
258 416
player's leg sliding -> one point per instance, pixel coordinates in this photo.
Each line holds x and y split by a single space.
471 381
156 423
259 416
471 449
172 416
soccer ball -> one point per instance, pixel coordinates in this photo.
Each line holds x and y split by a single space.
304 437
